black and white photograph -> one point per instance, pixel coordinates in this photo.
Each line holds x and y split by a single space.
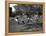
25 18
